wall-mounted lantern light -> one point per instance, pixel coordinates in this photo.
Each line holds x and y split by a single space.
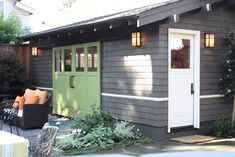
34 51
209 40
136 39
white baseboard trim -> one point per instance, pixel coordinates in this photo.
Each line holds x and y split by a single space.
45 88
152 98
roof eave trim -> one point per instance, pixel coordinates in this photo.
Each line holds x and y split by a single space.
153 15
69 28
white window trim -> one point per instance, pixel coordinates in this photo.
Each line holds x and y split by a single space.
196 121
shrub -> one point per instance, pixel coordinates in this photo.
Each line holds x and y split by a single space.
87 121
99 136
11 72
68 142
223 128
123 130
93 133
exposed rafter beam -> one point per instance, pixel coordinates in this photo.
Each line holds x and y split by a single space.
174 18
206 8
181 7
138 23
99 27
115 25
132 22
84 30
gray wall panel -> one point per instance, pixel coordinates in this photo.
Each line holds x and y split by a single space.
41 69
137 72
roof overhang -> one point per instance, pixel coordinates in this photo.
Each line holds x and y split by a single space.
165 12
85 27
25 8
174 10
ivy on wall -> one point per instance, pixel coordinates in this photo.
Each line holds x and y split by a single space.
227 82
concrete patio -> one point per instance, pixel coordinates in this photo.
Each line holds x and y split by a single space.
219 147
62 123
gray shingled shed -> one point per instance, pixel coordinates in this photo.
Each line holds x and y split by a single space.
167 86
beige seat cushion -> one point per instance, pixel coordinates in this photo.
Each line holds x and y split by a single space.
28 93
42 95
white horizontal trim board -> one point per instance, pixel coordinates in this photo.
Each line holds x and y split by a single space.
134 97
211 96
45 88
153 98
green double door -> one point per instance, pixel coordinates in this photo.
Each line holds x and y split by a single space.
76 78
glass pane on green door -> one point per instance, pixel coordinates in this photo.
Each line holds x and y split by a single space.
57 61
80 59
67 60
92 58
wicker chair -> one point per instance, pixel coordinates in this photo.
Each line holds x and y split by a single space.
41 145
8 114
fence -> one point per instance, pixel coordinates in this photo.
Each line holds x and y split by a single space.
21 51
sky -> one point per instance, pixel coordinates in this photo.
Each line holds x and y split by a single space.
48 15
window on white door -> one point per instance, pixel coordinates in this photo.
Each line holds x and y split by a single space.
180 53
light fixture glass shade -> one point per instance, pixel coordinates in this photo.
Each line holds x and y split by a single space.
34 51
136 39
209 40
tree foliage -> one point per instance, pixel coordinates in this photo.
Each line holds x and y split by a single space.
66 5
10 29
227 82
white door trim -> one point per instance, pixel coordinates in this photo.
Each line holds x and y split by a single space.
196 72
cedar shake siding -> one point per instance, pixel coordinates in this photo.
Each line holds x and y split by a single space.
41 69
137 72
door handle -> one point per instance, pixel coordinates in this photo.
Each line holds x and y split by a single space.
192 88
71 81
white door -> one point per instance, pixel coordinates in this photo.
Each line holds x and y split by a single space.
182 80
